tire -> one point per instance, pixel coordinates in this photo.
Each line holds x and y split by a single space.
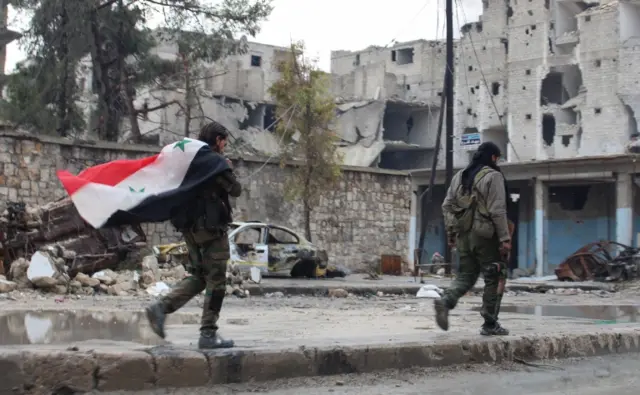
305 268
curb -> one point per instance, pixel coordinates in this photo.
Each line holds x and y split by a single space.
262 290
77 370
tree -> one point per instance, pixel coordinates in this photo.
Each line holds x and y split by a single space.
43 91
113 34
307 109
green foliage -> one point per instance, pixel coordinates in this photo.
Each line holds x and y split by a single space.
113 34
307 111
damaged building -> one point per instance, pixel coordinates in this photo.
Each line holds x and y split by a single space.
389 102
553 83
233 91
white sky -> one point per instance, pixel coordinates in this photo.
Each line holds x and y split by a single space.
326 25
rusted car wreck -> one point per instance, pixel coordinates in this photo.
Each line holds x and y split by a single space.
601 261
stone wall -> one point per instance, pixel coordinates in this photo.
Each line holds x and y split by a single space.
366 216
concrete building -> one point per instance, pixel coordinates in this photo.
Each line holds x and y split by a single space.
233 91
553 84
390 100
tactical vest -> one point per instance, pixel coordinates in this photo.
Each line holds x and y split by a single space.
468 205
207 211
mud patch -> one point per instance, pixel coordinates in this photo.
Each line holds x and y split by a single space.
59 327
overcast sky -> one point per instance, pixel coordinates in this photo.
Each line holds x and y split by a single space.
327 25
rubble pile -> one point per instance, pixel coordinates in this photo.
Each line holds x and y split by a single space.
63 239
52 249
47 275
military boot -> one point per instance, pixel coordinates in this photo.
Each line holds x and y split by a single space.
493 330
156 317
442 314
210 339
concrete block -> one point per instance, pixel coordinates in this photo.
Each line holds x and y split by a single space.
115 371
180 367
59 370
239 366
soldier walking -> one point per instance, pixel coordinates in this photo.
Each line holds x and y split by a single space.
204 223
475 212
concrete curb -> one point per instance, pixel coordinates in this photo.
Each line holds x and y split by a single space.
79 370
360 290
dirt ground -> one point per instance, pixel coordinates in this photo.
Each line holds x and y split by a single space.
280 321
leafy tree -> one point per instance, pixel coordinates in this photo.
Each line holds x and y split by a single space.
307 110
115 37
43 91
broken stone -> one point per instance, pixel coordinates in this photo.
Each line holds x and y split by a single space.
44 271
60 289
150 263
147 279
40 266
158 289
18 273
87 281
75 286
44 282
338 293
7 286
179 272
105 277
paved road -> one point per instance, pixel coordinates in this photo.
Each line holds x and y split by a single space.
599 376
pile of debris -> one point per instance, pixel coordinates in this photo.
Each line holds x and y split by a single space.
601 261
51 248
149 278
63 239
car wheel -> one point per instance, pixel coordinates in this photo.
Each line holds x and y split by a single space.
304 269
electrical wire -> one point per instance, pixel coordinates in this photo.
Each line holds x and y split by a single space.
484 79
273 155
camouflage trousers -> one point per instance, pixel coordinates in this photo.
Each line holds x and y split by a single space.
208 270
479 255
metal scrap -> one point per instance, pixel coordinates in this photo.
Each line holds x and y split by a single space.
58 230
601 261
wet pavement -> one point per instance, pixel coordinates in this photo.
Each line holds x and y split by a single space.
63 327
600 314
302 322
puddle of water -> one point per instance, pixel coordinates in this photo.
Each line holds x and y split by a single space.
602 314
51 327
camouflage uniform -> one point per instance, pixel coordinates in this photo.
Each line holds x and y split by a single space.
479 250
208 256
208 269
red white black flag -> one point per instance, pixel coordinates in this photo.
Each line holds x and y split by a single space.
126 192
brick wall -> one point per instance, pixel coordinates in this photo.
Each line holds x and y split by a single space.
366 216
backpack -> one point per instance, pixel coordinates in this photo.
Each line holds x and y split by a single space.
467 205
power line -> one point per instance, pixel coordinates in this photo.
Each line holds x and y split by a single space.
406 25
273 155
484 79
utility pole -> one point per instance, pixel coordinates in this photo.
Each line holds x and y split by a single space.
448 84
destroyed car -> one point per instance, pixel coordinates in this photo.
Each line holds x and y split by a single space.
601 261
273 249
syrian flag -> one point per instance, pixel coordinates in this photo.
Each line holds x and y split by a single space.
125 192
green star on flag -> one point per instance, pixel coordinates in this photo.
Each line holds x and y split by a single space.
180 144
134 191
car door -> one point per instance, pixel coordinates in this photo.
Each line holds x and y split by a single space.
284 246
248 247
